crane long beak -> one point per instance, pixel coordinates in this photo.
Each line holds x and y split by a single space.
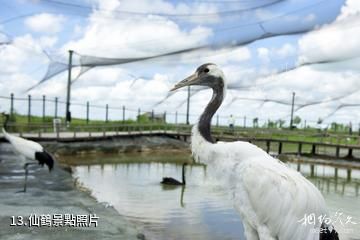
191 80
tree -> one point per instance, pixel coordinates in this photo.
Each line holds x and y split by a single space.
272 124
334 126
297 120
255 122
281 122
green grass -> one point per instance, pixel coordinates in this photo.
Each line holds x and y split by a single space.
21 124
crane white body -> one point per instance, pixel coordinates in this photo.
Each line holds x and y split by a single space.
23 147
270 197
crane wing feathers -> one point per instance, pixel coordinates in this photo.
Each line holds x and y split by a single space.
277 196
23 146
280 197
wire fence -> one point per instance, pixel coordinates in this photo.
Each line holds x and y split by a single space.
43 109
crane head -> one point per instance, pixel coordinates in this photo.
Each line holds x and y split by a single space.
45 158
208 74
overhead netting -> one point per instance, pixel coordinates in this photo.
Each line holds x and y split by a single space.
225 38
5 39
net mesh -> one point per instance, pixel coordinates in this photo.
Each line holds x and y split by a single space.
224 38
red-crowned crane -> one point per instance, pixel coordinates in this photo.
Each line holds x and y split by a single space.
270 197
28 150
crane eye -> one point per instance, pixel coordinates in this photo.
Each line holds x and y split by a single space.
206 70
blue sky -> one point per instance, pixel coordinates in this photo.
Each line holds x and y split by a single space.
118 29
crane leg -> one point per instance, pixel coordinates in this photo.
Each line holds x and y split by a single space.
26 176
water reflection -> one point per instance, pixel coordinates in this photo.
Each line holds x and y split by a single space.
198 210
201 209
331 180
340 188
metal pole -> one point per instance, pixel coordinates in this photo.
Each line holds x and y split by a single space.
43 110
165 117
107 113
152 115
11 106
217 120
244 121
87 112
139 114
67 113
188 107
56 107
176 117
29 108
350 128
292 110
123 108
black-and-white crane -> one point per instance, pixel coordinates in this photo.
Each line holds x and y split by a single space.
270 197
30 152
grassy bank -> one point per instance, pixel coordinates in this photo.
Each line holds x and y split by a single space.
20 123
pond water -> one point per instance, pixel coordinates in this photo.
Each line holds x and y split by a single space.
201 210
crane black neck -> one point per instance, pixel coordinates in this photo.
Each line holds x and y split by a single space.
183 173
204 124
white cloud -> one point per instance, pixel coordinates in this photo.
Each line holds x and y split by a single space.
168 8
110 34
350 8
47 41
263 54
45 23
310 84
286 50
221 57
136 37
336 41
333 42
13 57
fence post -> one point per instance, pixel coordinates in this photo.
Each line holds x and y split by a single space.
107 113
11 106
56 106
123 108
29 108
87 112
43 110
350 128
